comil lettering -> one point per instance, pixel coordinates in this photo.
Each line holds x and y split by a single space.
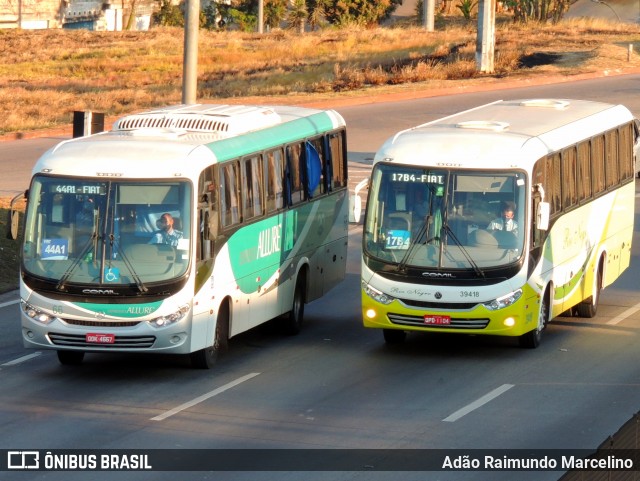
269 241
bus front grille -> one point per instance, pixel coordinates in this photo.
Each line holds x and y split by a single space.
77 322
121 342
456 322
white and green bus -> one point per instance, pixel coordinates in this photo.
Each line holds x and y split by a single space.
258 207
438 255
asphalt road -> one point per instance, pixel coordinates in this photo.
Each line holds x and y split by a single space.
337 385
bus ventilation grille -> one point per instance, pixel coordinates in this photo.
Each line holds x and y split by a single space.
225 120
187 123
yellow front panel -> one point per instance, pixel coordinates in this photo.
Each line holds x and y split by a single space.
523 315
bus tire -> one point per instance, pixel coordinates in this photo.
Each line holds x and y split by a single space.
70 358
394 336
531 339
206 358
589 307
293 320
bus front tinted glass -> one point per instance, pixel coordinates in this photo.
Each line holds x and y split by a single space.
107 233
445 219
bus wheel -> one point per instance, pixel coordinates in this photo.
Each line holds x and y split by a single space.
293 320
589 306
207 357
70 358
394 336
531 339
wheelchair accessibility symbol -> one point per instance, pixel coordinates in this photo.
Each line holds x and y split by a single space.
111 274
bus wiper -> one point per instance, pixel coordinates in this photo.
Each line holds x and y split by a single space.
465 253
141 286
71 269
113 241
424 228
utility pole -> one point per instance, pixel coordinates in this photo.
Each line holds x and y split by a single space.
260 16
486 39
190 59
429 7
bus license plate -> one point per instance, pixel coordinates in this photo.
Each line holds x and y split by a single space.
437 320
100 338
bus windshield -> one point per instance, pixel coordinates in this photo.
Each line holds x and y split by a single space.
439 219
107 233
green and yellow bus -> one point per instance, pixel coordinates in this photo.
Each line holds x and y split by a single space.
498 219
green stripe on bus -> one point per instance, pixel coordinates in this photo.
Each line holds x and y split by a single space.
128 311
252 142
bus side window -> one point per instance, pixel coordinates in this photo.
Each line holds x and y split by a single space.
293 177
252 187
229 195
338 160
322 187
275 178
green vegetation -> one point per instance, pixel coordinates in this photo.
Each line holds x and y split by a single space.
242 14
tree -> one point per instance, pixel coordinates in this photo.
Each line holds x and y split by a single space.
538 10
298 14
317 13
168 15
360 12
275 11
132 14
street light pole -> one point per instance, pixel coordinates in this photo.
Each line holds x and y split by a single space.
486 39
429 14
190 60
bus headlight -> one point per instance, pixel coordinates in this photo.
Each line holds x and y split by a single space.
504 301
36 314
376 295
164 321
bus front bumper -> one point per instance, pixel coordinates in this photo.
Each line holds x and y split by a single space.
141 337
514 320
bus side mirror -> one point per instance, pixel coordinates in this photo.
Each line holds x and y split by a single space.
542 216
355 209
355 202
12 224
13 220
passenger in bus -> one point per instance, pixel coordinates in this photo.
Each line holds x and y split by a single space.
85 214
166 234
506 221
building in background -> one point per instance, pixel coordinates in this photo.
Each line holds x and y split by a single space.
74 14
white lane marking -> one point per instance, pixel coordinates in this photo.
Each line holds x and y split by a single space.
629 312
22 359
478 403
10 303
204 397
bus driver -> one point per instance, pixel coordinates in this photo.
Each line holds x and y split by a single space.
506 221
166 233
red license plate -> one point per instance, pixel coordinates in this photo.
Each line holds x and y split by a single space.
100 338
437 320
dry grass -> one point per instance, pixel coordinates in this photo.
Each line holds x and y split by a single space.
46 75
